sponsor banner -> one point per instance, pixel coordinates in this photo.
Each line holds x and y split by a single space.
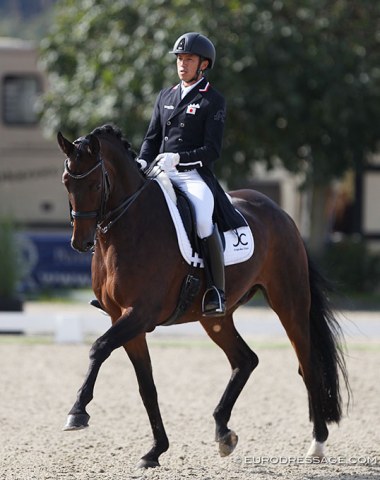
49 262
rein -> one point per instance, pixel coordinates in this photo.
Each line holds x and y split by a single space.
100 214
120 210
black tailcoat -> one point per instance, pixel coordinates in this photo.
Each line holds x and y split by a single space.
192 127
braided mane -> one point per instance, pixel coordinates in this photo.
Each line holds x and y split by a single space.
116 132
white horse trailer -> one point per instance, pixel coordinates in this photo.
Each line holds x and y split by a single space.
31 192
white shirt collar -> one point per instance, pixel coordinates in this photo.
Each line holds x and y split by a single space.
186 90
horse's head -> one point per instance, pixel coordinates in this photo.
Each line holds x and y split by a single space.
86 181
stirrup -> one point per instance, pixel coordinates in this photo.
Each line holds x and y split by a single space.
213 303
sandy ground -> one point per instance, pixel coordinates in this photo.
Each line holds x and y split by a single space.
39 380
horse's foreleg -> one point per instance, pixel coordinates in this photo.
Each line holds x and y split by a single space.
78 417
138 353
121 332
243 361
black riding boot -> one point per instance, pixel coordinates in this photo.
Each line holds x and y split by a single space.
213 303
95 303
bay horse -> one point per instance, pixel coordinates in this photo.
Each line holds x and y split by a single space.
138 270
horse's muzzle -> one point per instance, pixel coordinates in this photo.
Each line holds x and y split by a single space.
83 247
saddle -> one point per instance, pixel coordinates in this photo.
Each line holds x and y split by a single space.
238 243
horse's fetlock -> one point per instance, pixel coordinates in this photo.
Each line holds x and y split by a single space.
219 415
163 444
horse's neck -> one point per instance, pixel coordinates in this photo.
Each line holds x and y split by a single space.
127 177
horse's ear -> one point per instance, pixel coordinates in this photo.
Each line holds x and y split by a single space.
93 145
64 144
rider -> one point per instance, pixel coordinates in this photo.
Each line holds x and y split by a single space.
185 136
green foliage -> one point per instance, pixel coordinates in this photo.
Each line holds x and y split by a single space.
9 259
301 79
353 266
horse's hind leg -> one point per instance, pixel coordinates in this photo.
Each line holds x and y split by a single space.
243 361
293 312
301 343
138 353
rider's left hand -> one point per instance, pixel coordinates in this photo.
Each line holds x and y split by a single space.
168 161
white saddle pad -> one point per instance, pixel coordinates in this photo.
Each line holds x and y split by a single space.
239 242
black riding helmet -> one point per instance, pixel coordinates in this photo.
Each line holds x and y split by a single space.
197 44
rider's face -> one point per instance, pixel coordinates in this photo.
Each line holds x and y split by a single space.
187 67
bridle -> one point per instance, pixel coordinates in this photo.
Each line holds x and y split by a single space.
105 185
104 219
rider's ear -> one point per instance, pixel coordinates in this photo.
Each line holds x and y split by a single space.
93 145
66 146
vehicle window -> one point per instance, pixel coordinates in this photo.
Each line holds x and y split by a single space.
19 96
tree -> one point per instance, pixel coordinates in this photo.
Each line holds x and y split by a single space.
306 91
302 79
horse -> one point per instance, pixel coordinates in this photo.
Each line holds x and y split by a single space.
137 271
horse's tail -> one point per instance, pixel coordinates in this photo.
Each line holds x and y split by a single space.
326 349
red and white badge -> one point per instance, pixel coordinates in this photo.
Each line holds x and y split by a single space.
192 108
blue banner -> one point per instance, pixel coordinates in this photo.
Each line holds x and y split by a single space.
49 262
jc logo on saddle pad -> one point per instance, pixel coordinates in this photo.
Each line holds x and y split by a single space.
239 242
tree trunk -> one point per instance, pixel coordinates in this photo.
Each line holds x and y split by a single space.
319 219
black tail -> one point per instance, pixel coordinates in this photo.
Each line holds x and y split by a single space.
326 348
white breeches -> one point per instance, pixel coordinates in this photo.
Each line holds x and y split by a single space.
192 184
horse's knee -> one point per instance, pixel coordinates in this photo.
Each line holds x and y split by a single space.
100 350
246 363
252 361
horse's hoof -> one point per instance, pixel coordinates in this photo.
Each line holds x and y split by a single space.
316 450
146 463
77 421
227 443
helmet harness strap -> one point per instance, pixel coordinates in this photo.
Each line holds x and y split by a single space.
199 71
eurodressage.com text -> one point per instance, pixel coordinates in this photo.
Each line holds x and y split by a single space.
340 460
